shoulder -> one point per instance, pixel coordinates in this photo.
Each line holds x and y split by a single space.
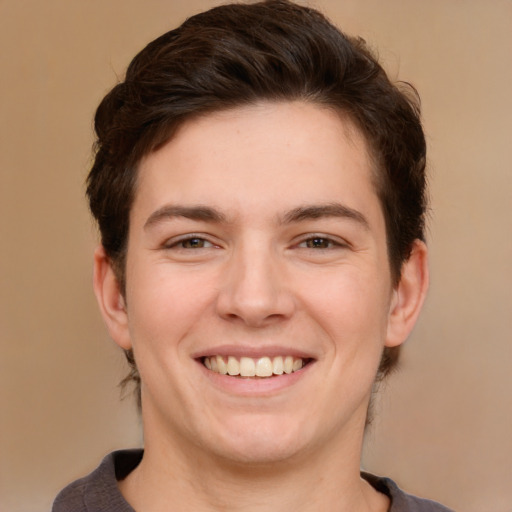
400 500
99 490
71 497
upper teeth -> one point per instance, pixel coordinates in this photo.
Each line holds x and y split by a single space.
249 367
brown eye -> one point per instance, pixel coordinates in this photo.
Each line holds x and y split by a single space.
195 243
318 243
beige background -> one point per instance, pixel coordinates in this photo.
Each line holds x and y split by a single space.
445 421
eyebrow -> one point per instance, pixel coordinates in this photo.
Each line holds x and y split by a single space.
303 213
299 214
203 213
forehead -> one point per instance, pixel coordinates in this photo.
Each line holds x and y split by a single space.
282 151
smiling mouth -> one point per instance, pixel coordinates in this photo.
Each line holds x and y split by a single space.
248 367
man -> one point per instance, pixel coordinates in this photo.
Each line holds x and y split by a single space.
260 191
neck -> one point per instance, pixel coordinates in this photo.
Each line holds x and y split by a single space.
190 479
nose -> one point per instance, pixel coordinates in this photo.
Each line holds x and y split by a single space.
254 288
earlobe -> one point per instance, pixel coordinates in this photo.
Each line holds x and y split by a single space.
110 299
408 296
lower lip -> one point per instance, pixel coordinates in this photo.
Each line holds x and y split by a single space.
255 386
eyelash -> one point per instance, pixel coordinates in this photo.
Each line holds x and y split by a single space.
331 243
324 243
180 242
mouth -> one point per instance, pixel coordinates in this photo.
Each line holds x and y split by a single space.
248 367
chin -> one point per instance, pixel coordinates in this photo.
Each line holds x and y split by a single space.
261 443
259 453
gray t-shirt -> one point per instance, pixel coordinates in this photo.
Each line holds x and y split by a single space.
99 492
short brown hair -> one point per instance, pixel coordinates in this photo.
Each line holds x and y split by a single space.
239 54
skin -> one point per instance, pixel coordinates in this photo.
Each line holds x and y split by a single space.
286 255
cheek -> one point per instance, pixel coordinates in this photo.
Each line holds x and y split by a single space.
165 306
351 306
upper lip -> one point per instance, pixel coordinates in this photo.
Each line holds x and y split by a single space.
254 352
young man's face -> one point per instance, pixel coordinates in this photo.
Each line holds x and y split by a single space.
257 242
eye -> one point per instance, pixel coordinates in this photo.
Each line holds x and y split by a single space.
317 243
320 242
195 243
189 242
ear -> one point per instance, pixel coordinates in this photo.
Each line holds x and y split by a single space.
408 296
110 299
